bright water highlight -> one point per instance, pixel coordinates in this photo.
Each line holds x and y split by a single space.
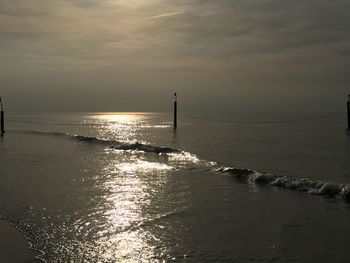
123 187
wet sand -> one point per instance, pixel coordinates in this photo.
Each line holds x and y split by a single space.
13 247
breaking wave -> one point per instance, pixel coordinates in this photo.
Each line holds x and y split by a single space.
113 143
314 187
127 146
311 186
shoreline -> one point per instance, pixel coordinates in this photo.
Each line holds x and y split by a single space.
13 246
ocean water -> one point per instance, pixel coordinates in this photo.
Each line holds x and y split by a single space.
124 187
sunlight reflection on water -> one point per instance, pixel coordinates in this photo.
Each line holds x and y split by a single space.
78 199
121 126
125 127
126 194
110 205
143 166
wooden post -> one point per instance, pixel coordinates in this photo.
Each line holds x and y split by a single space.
175 110
349 112
2 117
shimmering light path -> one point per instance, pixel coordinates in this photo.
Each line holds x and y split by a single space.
78 197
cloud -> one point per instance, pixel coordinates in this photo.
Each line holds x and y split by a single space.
210 29
239 39
164 15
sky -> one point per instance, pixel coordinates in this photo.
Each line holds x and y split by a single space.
220 56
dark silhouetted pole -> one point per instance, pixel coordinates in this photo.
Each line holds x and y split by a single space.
175 110
349 112
2 121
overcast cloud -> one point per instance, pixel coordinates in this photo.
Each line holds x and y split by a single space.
228 56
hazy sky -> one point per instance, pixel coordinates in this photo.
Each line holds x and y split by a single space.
225 56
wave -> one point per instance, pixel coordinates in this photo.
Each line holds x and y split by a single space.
42 133
114 144
314 187
9 119
127 146
311 186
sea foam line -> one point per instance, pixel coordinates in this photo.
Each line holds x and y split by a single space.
127 146
311 186
315 187
114 144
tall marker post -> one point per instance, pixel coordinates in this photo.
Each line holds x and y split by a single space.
175 111
2 117
349 112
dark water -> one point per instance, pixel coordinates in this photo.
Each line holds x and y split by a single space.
126 188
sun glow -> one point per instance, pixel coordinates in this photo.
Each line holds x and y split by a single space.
133 3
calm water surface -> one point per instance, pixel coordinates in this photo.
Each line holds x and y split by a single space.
123 187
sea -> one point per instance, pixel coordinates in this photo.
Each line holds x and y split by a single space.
127 187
